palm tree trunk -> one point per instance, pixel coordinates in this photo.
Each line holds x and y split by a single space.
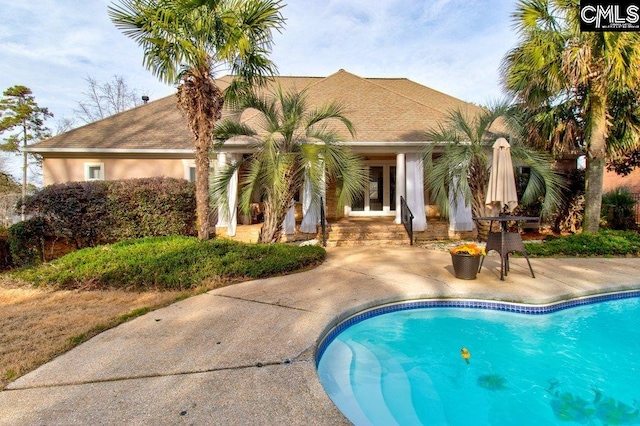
478 181
596 154
276 207
202 186
201 101
271 230
478 209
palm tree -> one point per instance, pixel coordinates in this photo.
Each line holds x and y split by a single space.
184 41
462 168
555 63
295 145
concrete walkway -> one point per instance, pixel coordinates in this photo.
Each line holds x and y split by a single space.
244 354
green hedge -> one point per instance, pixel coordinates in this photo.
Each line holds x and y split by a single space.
151 207
76 211
87 214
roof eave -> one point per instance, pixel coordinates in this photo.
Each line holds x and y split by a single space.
35 150
376 147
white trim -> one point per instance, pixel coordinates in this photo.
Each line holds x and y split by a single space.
108 150
188 165
401 183
89 166
242 147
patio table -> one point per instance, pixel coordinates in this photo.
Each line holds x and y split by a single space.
505 242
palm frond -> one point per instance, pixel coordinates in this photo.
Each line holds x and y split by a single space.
227 129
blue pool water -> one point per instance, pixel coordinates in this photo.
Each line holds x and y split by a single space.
579 365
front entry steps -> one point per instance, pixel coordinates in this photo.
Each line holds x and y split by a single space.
358 231
366 231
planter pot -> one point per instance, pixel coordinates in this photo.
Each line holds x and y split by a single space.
465 266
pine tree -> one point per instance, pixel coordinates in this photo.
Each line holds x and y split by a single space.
23 120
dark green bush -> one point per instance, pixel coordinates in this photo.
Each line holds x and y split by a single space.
76 211
151 207
96 212
27 241
6 260
618 209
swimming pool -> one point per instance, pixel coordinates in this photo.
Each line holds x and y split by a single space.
574 362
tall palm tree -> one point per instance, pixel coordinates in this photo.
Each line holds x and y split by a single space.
294 144
462 168
184 41
555 62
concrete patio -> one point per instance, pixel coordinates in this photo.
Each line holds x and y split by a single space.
244 354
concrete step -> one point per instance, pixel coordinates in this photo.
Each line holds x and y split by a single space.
360 243
357 232
362 232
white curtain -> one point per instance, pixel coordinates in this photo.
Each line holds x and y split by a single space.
289 224
310 210
229 218
460 216
415 191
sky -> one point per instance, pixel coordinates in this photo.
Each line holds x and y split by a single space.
454 46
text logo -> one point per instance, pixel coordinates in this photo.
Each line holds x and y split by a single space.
609 16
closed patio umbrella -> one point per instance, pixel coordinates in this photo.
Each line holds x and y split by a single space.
501 193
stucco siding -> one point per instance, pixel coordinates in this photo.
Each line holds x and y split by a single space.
631 181
61 170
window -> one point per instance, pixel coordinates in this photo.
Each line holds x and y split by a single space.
93 171
189 168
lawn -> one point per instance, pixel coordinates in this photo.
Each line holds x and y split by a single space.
49 309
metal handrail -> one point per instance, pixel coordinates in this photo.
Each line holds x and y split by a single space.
323 223
406 218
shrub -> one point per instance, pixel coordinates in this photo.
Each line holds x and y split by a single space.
6 260
151 207
27 241
170 263
96 212
618 209
603 243
76 211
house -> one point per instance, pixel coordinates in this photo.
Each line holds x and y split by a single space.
390 116
631 182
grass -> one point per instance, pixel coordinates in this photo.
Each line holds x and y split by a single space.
47 310
603 243
39 324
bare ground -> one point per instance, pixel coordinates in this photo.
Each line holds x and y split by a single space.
36 325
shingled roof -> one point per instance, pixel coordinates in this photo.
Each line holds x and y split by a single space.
391 110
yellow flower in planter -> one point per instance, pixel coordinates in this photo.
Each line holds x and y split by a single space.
470 249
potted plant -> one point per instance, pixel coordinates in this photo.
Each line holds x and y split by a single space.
466 260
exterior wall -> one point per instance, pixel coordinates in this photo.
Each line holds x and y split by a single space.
61 170
631 181
332 212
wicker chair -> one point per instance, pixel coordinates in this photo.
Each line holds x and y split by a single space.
505 243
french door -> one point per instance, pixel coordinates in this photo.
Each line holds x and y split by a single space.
379 196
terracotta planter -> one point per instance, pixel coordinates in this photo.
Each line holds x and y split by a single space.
465 266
